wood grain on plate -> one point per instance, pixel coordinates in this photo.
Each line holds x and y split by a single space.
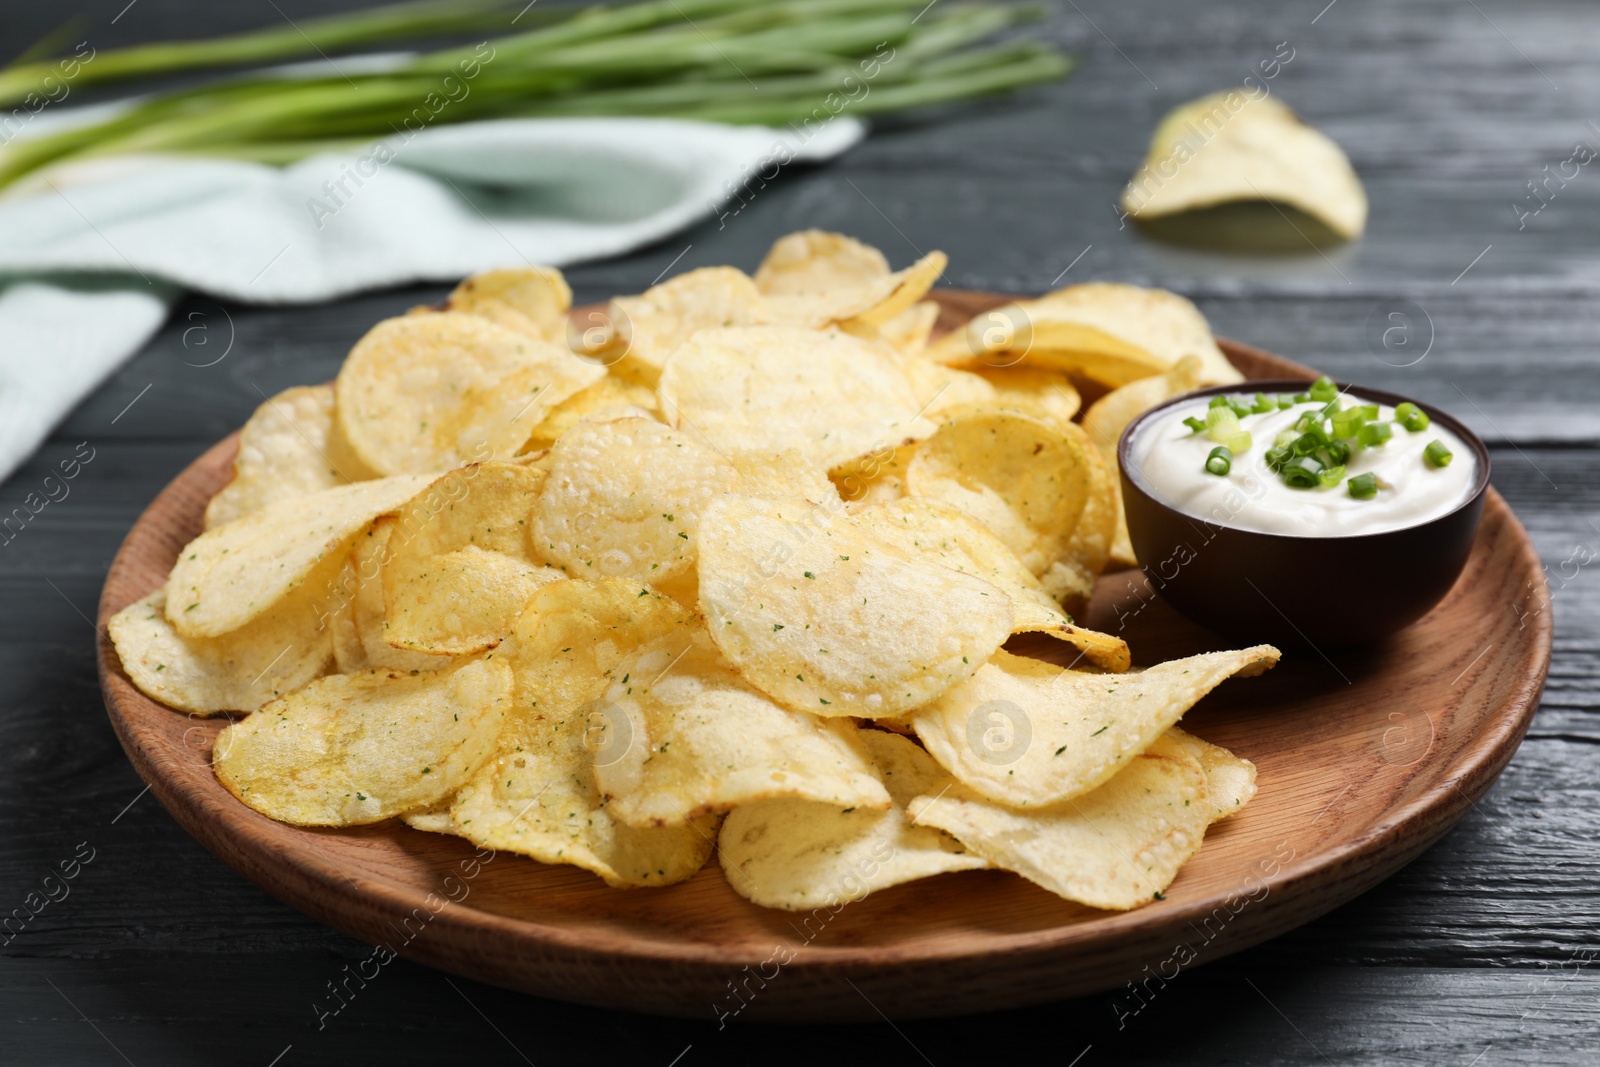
1365 758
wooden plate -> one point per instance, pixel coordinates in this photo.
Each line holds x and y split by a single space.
1366 757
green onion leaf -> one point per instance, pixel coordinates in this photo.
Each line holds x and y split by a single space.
1218 402
1363 486
1239 442
1331 477
1412 417
1197 425
1285 401
1302 472
1302 398
1263 404
1348 421
1323 389
1374 434
1437 455
1220 461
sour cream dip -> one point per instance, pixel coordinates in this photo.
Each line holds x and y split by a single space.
1170 459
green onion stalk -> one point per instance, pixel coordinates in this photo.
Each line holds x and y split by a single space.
734 61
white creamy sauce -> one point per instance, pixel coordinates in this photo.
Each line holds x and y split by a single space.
1172 460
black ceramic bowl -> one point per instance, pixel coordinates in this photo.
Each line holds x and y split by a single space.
1291 590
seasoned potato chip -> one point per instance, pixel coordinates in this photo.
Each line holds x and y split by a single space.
425 393
878 476
825 617
908 332
611 397
1111 414
433 819
1029 734
701 740
235 572
1022 476
789 475
799 854
537 795
927 529
1230 780
279 651
1070 579
358 623
624 499
359 748
457 603
837 292
649 326
489 505
1107 331
939 388
1232 146
283 453
1115 848
816 261
530 300
778 388
1034 389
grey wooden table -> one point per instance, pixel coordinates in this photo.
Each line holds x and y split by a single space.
1481 952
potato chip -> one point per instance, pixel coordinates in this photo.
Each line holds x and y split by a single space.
927 529
819 279
611 397
359 748
1107 331
624 499
1070 579
823 616
788 475
650 326
695 738
1230 780
908 332
878 476
1022 476
537 796
799 854
459 602
1033 389
1232 146
283 453
1111 414
279 651
489 505
816 261
425 393
530 300
1029 734
939 388
235 572
780 388
358 624
1117 847
434 819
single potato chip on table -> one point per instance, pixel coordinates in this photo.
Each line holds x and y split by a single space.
283 454
428 393
1029 734
1232 146
825 617
537 794
801 854
360 748
701 739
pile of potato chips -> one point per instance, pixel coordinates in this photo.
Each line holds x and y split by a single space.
728 568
